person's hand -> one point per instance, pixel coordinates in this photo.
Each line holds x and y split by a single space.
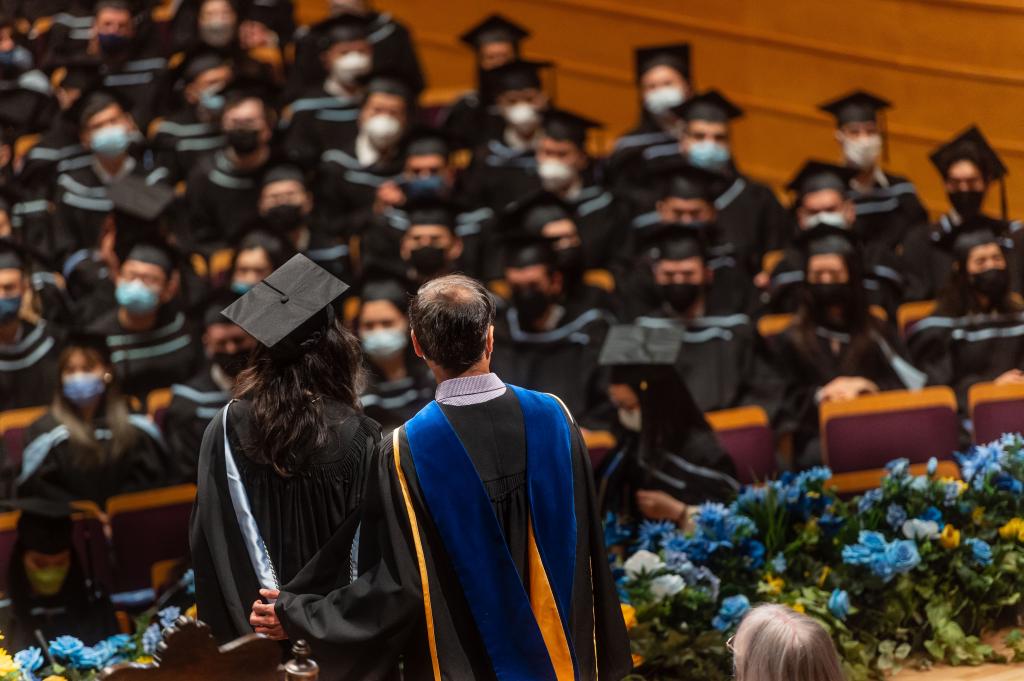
253 35
762 279
657 505
846 388
1010 377
263 618
389 195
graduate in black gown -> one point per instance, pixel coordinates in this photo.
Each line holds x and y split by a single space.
667 457
969 166
282 467
486 459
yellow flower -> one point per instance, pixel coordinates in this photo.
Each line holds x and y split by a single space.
629 615
55 678
637 660
978 515
7 664
141 659
825 572
1011 530
799 607
775 584
950 537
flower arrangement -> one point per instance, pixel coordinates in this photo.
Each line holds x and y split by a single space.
914 570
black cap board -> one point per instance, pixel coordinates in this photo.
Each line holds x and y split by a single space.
675 56
44 526
494 29
827 240
637 354
198 62
426 141
534 212
344 28
150 249
389 84
283 173
675 242
134 198
959 241
77 73
526 249
431 212
96 100
289 311
517 75
816 176
12 255
970 145
88 340
385 289
856 107
566 126
708 106
677 178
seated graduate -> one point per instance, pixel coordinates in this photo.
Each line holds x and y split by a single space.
89 444
257 255
28 349
969 166
822 197
281 467
723 360
667 457
430 248
495 41
975 334
835 349
52 592
887 204
195 402
399 385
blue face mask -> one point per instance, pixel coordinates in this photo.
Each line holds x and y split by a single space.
18 57
110 141
136 297
83 388
709 155
113 43
9 308
241 287
385 343
211 100
421 188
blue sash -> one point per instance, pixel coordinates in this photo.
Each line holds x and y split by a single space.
526 635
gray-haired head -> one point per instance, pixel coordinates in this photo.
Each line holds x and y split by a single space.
451 317
775 643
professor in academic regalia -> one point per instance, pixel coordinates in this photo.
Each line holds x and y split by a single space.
481 549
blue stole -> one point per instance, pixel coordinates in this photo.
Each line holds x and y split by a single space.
526 635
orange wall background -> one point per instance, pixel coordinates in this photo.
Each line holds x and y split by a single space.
943 63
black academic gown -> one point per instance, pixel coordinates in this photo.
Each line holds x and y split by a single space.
346 189
307 521
28 368
361 632
181 139
318 121
885 214
500 174
193 405
470 120
392 403
222 201
54 467
625 168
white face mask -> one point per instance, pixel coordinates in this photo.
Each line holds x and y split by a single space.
522 116
351 66
555 176
832 218
385 343
382 130
862 152
217 33
660 100
631 419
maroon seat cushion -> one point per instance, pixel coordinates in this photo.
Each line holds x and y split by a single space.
142 538
872 440
992 419
752 451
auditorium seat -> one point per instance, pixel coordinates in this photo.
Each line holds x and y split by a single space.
146 528
157 402
13 424
994 410
909 314
870 431
856 482
601 279
772 325
747 438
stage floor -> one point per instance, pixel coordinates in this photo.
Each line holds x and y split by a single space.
988 672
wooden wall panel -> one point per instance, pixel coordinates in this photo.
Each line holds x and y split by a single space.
944 63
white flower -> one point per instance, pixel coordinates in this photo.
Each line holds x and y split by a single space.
920 529
666 586
642 561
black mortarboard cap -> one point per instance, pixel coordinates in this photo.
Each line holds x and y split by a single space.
675 56
670 241
494 29
517 75
815 176
89 340
970 145
138 200
12 255
43 525
77 73
525 249
198 62
426 141
246 87
95 100
390 83
344 28
289 311
856 107
151 249
678 178
23 101
431 212
283 173
531 214
826 240
566 126
385 289
959 241
640 353
708 106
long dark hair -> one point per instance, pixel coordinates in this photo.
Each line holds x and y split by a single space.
287 397
958 300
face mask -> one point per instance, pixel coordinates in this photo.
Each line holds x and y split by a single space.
382 130
286 217
217 33
83 388
660 100
863 152
385 343
966 204
428 260
827 218
113 43
993 284
136 297
110 141
425 188
631 419
351 66
521 116
530 303
212 100
231 363
241 287
829 295
709 155
681 296
556 176
9 308
48 581
18 59
243 140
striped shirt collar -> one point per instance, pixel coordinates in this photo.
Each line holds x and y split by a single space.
467 390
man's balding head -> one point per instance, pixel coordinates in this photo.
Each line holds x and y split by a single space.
451 318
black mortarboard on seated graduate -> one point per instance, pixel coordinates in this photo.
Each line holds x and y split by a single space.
566 126
44 526
426 141
637 354
344 28
95 100
138 200
674 242
290 311
13 255
385 289
151 249
25 101
816 176
676 56
390 83
77 73
521 74
708 106
971 145
283 173
827 240
88 340
431 211
856 107
960 240
677 178
532 213
245 87
494 29
198 62
526 249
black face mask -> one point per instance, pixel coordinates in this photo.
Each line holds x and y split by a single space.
243 140
966 204
830 295
993 284
285 218
428 260
231 364
530 304
681 296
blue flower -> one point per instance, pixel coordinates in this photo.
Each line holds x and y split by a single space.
882 567
980 463
895 515
779 563
732 611
1005 482
933 465
869 500
874 541
151 638
615 534
830 523
189 579
91 658
120 642
30 660
651 532
902 555
750 497
755 553
932 514
839 604
169 614
813 476
981 552
898 468
63 648
857 554
951 493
